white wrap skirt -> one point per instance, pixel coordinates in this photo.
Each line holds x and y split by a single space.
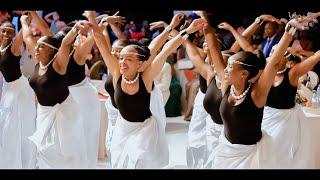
60 137
86 97
141 144
112 119
17 123
239 156
292 135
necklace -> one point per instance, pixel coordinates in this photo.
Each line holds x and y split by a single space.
2 50
241 96
281 72
44 67
130 82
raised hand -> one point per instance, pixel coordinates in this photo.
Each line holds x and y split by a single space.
196 25
83 27
225 26
157 25
113 19
267 17
26 18
176 20
312 15
301 23
202 14
89 14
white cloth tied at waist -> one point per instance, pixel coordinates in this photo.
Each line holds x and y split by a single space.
44 127
112 111
136 143
230 155
285 126
197 126
11 91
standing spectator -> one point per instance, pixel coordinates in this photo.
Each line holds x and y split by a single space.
135 31
56 24
270 34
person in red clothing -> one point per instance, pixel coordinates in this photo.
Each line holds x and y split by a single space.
136 32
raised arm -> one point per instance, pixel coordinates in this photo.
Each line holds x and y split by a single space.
116 29
41 24
112 21
154 69
205 70
266 79
62 57
84 48
215 53
159 41
241 40
252 29
302 68
16 45
102 44
47 17
27 33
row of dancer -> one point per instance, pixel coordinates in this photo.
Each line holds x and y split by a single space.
267 121
64 127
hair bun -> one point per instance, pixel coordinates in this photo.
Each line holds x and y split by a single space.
261 59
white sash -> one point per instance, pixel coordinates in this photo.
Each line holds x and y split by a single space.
141 145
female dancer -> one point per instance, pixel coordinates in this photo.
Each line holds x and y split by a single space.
84 94
244 94
117 46
59 135
282 119
17 106
139 139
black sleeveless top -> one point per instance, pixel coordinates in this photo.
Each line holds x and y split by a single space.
109 88
75 72
242 123
51 88
134 108
10 66
203 84
283 96
212 101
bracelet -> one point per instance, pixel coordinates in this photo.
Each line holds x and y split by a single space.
258 21
168 29
74 30
184 34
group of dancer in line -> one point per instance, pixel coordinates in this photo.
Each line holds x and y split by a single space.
244 114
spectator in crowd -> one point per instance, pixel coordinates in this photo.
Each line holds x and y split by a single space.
271 37
53 19
173 107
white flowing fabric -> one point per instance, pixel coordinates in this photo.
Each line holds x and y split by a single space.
142 144
1 82
17 123
292 136
238 156
197 136
213 131
88 103
163 81
60 136
112 119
